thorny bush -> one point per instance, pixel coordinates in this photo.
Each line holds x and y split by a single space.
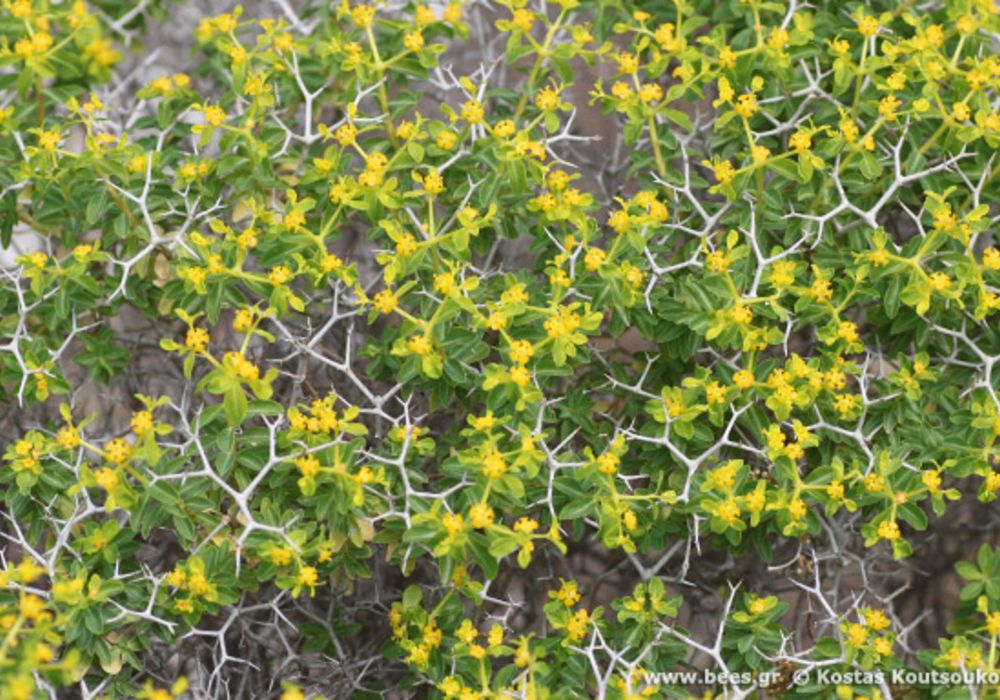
435 394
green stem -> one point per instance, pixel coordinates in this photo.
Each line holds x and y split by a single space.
540 57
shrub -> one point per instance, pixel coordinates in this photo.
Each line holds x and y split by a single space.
501 350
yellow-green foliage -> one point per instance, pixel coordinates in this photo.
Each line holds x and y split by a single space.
416 331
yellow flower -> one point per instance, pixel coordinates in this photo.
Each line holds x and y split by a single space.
420 345
857 634
484 422
362 15
715 393
741 314
495 637
627 63
525 524
746 106
845 403
882 646
727 58
414 41
523 19
142 421
308 576
800 141
281 556
760 153
293 693
481 516
820 291
729 512
594 258
726 92
279 275
547 99
724 477
244 369
568 594
835 491
21 9
99 50
868 26
797 509
608 463
214 115
621 90
630 519
49 140
576 628
879 258
874 483
385 301
876 619
504 128
452 13
993 481
848 331
888 530
346 134
423 15
563 323
993 623
38 258
494 465
450 687
521 351
117 451
496 321
887 107
466 632
68 438
939 281
717 261
433 183
782 273
28 571
632 274
308 465
31 607
849 130
453 523
650 92
724 172
619 220
967 24
778 38
743 379
473 111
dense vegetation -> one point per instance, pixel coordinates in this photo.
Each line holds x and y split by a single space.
512 349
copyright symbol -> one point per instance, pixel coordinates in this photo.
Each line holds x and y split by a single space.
800 677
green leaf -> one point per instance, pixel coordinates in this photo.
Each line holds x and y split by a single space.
235 404
679 118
